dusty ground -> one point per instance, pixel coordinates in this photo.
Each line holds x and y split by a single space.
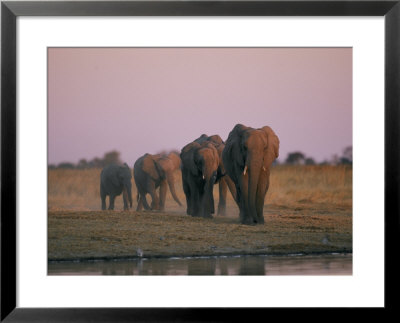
307 210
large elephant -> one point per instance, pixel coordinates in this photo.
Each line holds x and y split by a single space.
114 180
225 181
151 172
247 157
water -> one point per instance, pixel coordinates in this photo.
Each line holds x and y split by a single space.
330 264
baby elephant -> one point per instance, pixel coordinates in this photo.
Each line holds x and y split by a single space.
114 180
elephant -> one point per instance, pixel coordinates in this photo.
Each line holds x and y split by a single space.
114 180
247 157
199 174
201 169
151 172
224 181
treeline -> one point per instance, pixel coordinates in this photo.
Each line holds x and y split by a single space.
293 158
112 157
298 158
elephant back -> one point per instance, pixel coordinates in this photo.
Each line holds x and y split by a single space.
170 162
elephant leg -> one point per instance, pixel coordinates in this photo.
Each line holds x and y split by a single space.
163 194
144 201
207 205
212 208
103 203
200 207
207 200
103 198
223 189
186 190
262 189
140 204
239 202
245 217
125 199
151 189
194 200
112 199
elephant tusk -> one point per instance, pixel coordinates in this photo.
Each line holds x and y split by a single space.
203 177
245 170
264 169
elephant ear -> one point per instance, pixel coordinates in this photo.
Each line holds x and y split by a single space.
159 168
272 147
198 161
232 156
188 156
149 167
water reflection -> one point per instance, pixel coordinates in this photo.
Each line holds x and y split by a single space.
339 264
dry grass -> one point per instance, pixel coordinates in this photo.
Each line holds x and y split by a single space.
290 187
293 186
308 209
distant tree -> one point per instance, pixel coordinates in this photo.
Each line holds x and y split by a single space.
347 157
111 157
345 161
335 160
348 153
66 165
96 163
295 158
51 166
309 161
82 164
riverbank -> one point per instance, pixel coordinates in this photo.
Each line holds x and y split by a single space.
104 235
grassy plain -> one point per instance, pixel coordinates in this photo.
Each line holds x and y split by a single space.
308 209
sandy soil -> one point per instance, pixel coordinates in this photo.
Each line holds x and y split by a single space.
117 234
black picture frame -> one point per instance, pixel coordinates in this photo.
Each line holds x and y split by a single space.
10 10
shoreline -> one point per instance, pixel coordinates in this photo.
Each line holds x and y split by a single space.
226 255
94 235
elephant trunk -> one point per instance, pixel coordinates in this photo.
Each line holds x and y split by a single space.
170 180
232 188
208 198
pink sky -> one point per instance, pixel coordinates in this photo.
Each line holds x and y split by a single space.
138 100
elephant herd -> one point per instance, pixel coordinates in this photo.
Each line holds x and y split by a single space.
241 164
